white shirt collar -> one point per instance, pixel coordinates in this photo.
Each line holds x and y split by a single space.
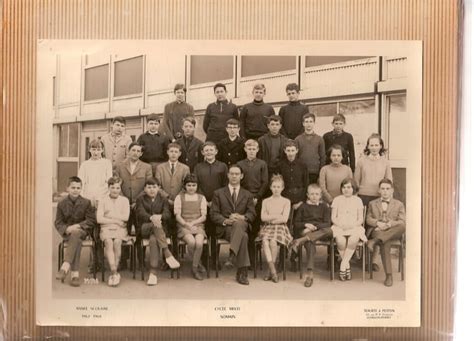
231 188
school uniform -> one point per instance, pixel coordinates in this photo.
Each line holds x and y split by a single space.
346 141
170 176
215 119
133 178
292 118
253 117
369 171
272 150
155 147
393 212
211 176
172 122
116 147
223 205
190 151
74 211
295 174
230 152
311 151
330 179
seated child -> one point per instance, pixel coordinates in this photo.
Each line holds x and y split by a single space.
275 213
231 148
347 217
190 209
75 219
153 213
112 215
331 175
312 222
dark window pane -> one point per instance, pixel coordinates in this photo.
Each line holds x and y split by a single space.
257 65
357 107
73 140
321 110
398 103
128 77
65 171
205 69
63 140
96 82
324 60
399 184
87 140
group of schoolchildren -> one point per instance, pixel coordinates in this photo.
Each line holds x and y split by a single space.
171 184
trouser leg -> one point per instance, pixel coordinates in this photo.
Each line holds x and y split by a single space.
239 243
310 252
72 254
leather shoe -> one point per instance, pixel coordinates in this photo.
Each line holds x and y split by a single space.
388 280
228 264
242 277
197 275
61 275
75 282
371 244
308 282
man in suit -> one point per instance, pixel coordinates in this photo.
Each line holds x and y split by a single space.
387 218
134 173
233 212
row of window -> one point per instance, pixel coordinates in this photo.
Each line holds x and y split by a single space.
128 74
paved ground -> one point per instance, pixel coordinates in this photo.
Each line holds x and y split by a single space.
216 288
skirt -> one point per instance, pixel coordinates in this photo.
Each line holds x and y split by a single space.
182 231
278 232
355 231
113 233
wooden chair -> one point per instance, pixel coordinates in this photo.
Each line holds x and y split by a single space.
399 244
88 242
130 243
182 250
218 242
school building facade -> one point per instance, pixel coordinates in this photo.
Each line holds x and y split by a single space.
88 90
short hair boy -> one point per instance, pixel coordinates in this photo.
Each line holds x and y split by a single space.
342 138
231 148
174 112
272 145
295 174
312 222
311 148
116 142
155 144
253 115
172 173
153 214
190 145
386 216
217 114
75 220
293 112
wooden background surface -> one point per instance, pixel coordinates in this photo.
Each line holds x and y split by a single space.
436 22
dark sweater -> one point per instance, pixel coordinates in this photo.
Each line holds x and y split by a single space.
190 151
318 215
255 176
292 118
210 177
155 146
346 141
295 175
145 208
231 152
215 119
253 117
78 211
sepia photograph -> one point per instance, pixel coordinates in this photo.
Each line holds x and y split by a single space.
227 180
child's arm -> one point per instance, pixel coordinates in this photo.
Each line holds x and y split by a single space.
207 119
263 181
322 153
60 222
101 218
371 220
335 216
322 184
243 120
264 215
326 217
360 215
165 122
388 171
282 114
124 213
358 173
89 218
141 212
351 151
400 219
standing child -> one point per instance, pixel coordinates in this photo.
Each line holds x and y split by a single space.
275 213
331 176
75 219
292 113
112 215
190 209
271 146
347 217
312 222
372 168
175 112
217 114
154 144
116 142
254 114
342 138
190 145
153 214
95 173
231 149
311 148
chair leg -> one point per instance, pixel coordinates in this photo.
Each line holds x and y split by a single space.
132 260
363 262
333 256
142 255
59 255
369 261
218 249
300 263
103 263
255 260
402 262
208 258
284 262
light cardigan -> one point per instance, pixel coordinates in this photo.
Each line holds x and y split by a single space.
368 173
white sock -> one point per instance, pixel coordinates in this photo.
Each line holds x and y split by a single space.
74 274
65 267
